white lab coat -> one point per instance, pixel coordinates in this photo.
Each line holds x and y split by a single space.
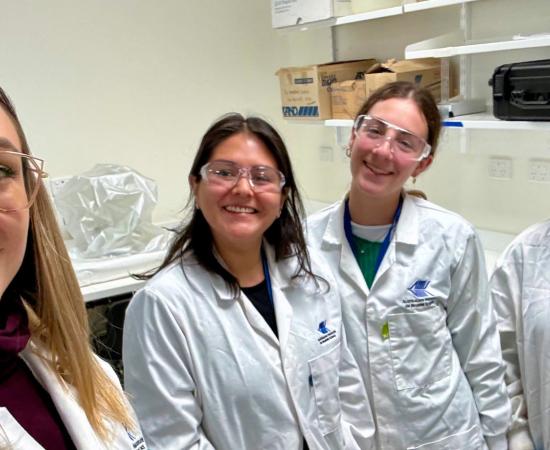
204 370
73 416
429 355
520 287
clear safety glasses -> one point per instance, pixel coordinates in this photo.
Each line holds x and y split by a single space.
227 174
19 180
403 144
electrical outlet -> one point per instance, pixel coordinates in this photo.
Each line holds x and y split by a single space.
500 168
539 170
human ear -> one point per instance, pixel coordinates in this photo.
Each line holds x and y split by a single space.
194 185
422 166
348 147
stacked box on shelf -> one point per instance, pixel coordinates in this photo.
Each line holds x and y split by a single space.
348 96
423 72
305 90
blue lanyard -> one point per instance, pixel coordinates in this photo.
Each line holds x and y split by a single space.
385 243
267 277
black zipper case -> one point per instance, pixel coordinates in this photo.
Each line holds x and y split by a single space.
521 91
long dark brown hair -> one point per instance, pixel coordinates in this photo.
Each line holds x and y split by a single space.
285 234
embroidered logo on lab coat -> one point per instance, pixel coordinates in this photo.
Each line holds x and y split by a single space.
326 332
421 295
137 441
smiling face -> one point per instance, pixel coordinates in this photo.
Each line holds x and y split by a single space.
378 172
13 225
238 216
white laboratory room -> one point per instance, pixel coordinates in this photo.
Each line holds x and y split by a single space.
275 224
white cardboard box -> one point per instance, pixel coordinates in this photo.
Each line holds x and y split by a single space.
286 13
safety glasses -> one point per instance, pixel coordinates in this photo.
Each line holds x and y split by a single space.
227 174
374 131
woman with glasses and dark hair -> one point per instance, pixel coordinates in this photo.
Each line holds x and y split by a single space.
412 277
236 342
54 392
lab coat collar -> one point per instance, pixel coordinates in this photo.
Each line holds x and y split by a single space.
334 240
280 273
406 232
334 234
408 227
64 398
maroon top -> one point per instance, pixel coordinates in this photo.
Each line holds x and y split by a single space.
26 400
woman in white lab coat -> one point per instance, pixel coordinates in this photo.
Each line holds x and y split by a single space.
520 288
54 393
414 288
236 342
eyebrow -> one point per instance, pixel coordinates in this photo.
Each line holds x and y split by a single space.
5 144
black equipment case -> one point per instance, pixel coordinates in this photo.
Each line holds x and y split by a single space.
521 91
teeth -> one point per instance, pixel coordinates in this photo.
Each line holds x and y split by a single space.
239 209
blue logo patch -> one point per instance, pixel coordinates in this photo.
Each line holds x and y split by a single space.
323 327
420 289
326 333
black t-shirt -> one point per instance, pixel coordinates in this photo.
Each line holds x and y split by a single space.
259 296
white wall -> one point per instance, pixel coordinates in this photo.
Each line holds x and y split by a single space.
137 82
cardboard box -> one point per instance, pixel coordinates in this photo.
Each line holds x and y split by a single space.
304 90
347 97
286 13
423 72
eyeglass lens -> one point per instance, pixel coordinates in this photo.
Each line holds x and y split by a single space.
376 131
18 180
227 173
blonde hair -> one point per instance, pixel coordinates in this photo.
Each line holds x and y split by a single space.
57 314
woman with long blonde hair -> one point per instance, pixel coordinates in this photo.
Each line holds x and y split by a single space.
54 392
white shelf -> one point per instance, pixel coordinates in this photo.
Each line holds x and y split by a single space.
430 4
370 15
481 121
452 44
376 14
110 288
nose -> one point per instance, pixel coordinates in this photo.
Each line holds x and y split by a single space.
243 185
386 143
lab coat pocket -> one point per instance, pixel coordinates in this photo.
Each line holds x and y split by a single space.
420 348
471 439
324 371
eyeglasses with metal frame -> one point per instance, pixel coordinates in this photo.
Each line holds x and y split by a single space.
20 176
